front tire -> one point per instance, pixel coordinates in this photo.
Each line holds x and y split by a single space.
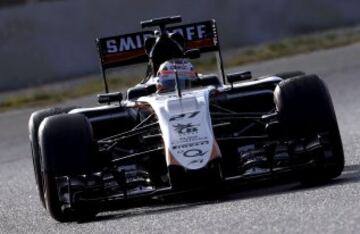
305 109
34 122
67 148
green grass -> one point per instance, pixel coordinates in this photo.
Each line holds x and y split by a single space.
296 45
42 97
282 48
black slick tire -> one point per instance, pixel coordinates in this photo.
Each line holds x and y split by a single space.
34 122
305 109
67 148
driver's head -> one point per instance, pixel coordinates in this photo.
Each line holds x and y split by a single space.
167 74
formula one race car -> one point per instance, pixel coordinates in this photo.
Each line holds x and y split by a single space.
179 130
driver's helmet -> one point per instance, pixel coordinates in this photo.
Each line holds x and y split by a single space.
168 71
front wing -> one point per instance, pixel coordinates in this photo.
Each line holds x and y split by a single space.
130 184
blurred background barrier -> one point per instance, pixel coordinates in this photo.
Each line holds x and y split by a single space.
49 41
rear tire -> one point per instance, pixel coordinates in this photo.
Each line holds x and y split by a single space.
34 122
305 109
67 147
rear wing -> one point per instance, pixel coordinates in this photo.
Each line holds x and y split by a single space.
129 49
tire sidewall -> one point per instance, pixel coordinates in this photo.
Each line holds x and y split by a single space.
34 122
305 109
68 148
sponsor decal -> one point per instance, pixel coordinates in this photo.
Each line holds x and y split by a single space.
135 41
194 153
190 145
189 128
126 43
192 32
184 116
187 139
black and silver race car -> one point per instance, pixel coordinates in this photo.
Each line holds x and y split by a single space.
209 130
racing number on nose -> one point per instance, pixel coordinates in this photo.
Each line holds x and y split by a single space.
184 116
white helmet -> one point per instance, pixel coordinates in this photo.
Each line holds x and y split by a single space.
167 74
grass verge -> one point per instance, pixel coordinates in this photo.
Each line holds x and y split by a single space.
46 96
282 48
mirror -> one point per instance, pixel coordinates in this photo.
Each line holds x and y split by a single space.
110 97
239 76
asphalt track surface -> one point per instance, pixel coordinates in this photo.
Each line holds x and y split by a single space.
269 208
